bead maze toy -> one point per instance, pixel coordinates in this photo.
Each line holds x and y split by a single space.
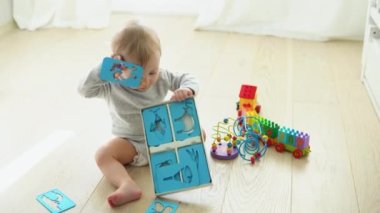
253 144
224 146
175 147
241 137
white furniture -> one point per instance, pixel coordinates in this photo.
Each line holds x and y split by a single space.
371 54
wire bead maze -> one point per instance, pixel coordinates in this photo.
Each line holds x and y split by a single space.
253 144
224 146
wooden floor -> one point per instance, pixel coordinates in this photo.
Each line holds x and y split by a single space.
48 133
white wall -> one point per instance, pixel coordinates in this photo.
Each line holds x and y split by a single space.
157 7
5 12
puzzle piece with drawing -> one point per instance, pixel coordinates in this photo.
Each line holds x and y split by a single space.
159 205
55 201
121 72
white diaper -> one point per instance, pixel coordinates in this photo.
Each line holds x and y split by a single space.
141 159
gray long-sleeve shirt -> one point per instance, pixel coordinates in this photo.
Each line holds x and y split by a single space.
125 103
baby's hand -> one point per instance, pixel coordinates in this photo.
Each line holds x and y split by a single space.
117 56
181 94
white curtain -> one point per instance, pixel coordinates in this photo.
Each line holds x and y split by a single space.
303 19
34 14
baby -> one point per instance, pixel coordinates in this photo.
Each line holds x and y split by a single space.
140 45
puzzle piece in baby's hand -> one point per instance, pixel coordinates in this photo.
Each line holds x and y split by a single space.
121 72
55 201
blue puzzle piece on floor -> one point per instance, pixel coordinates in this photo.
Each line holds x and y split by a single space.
55 201
121 72
162 206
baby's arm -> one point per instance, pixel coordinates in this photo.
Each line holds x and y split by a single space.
183 86
181 94
92 86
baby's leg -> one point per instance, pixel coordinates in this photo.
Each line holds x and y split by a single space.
111 159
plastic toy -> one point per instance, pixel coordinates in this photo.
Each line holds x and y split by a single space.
253 144
224 146
175 147
55 201
247 105
162 206
293 141
270 129
121 72
283 138
252 134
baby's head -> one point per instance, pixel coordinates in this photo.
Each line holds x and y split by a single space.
140 45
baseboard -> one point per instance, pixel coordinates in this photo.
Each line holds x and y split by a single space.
371 95
4 28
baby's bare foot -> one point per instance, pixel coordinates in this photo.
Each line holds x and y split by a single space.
125 193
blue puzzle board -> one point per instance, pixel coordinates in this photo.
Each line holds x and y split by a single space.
175 147
55 201
121 72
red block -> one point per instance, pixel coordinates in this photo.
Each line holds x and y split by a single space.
247 91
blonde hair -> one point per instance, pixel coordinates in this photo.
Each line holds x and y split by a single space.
136 41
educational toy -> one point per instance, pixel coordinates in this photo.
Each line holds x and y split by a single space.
55 201
248 105
270 129
283 138
121 72
162 206
293 141
253 144
224 145
175 146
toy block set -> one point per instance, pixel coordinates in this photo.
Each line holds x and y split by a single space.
247 105
250 134
286 139
175 147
